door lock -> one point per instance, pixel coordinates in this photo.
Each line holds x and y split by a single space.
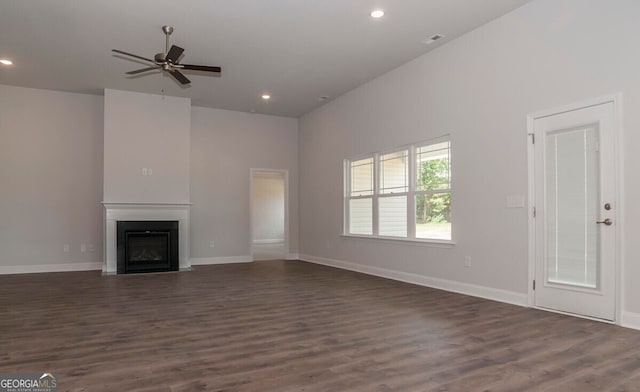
607 222
607 206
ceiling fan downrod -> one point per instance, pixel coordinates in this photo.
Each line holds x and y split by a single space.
167 30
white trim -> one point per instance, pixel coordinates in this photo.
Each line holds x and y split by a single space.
137 203
509 297
285 173
269 241
221 260
44 268
630 320
114 212
415 241
618 132
531 225
292 256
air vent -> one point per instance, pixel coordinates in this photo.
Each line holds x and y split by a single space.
433 39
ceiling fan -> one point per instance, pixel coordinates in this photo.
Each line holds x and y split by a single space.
169 61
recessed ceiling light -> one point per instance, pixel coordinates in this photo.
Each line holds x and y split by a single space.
6 62
266 97
377 14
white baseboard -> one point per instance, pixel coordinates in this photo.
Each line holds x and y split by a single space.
292 256
630 320
509 297
43 268
269 241
221 260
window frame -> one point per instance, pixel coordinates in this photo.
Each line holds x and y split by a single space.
348 197
378 189
411 193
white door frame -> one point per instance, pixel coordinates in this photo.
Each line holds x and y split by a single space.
252 171
616 100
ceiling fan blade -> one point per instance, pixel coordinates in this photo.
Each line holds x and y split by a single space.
138 71
132 55
204 68
179 76
174 53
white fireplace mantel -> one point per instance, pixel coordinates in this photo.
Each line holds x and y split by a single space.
114 212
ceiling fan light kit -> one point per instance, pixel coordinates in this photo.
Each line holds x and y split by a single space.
169 61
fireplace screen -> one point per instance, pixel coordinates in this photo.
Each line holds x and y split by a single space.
147 246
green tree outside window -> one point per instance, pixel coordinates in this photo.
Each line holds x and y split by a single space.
434 207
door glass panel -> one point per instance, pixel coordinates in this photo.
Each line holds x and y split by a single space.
572 205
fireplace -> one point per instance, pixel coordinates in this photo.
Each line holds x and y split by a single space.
147 246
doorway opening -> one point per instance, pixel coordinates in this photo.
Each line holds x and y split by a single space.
269 214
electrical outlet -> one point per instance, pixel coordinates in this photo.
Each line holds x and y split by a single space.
212 244
145 171
65 248
83 248
149 172
467 261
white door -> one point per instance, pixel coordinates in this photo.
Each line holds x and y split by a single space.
575 236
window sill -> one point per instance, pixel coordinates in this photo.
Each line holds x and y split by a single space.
427 242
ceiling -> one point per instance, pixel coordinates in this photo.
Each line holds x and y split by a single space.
295 50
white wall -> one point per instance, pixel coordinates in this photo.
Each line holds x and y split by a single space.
225 145
146 131
478 88
50 179
268 206
51 171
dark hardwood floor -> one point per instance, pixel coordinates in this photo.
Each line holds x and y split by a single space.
294 326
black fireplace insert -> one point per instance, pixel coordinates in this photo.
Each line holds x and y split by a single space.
147 246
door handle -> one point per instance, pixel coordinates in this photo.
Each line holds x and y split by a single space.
607 222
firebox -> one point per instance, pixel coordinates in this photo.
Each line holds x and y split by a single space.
147 246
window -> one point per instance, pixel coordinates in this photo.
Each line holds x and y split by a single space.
394 188
433 191
360 196
404 193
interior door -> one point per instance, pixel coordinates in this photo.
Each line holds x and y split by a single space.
575 234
